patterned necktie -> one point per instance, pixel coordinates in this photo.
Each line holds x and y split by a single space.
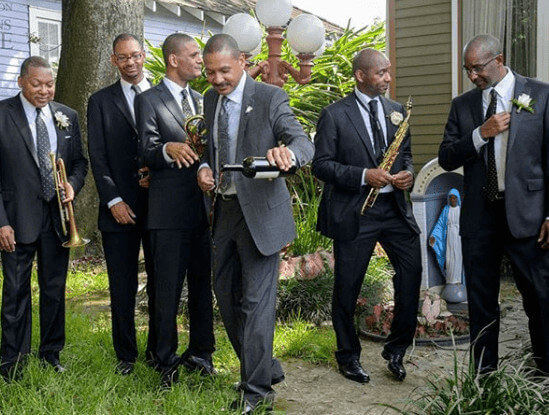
379 142
43 150
491 171
224 143
187 110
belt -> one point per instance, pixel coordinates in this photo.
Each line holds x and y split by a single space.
227 197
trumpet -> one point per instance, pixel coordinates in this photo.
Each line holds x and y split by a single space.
195 128
66 210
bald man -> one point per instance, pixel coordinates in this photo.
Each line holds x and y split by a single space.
352 136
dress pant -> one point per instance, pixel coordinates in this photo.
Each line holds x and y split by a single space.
52 261
245 283
122 257
176 253
482 256
384 223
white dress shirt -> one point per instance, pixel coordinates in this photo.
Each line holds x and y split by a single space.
365 99
505 90
47 116
130 94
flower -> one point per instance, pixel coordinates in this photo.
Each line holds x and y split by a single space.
523 102
396 117
61 120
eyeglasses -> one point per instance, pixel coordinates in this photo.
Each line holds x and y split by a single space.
478 68
123 59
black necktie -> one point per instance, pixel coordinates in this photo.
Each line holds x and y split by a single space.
43 150
136 89
187 110
224 143
379 142
491 171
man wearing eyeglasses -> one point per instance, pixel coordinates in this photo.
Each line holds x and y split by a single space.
499 134
122 183
177 214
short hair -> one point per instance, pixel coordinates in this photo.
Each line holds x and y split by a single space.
173 42
363 59
33 62
484 44
123 37
222 43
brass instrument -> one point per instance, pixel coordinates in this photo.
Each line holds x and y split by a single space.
65 210
390 155
195 128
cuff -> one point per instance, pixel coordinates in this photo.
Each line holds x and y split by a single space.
363 181
478 141
168 159
114 202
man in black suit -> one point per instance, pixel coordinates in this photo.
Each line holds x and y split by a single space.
122 186
352 135
499 133
253 218
31 126
177 216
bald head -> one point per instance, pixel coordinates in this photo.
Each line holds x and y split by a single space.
371 70
486 45
483 61
367 58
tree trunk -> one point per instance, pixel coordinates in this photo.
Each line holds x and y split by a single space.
88 29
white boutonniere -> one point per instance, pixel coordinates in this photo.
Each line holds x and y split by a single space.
523 102
396 118
249 109
61 120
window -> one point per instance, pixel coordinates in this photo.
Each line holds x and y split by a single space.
45 33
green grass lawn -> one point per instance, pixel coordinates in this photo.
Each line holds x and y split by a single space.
91 386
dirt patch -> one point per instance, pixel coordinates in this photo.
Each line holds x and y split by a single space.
321 390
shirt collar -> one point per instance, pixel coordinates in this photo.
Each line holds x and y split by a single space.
175 88
30 110
365 98
237 94
505 87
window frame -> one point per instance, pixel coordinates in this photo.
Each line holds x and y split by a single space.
37 14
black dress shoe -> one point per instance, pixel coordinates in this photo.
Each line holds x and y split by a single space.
198 364
168 378
395 365
54 362
247 408
354 371
124 367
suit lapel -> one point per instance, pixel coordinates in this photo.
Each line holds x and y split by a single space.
476 108
389 126
18 116
61 133
121 102
170 103
247 102
353 112
520 87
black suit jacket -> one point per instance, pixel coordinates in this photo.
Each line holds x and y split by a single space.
175 200
20 186
343 151
526 172
112 144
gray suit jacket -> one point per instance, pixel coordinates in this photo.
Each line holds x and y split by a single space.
526 169
265 120
20 186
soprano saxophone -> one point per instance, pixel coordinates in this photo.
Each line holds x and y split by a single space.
390 155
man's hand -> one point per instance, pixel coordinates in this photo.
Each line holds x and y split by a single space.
7 239
206 180
281 157
494 125
69 193
144 177
378 178
123 213
544 235
181 153
403 180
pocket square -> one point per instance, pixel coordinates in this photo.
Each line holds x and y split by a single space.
249 109
68 136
